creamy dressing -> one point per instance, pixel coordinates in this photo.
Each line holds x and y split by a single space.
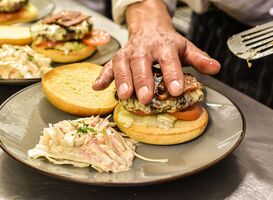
68 47
165 121
55 32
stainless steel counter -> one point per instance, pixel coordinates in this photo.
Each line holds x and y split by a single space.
245 174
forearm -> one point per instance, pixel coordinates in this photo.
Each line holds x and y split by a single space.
147 15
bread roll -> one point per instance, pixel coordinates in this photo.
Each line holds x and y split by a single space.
61 57
28 14
15 35
69 88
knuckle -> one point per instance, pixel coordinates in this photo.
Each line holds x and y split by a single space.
120 77
167 57
108 65
139 55
172 73
104 84
106 73
143 79
121 54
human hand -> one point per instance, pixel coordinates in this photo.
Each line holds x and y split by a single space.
152 42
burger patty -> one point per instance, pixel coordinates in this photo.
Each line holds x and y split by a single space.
163 102
12 5
66 18
63 26
54 32
168 105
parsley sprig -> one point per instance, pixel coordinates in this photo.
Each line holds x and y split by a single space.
85 128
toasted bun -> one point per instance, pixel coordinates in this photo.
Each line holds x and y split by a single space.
69 88
182 131
15 35
28 14
59 56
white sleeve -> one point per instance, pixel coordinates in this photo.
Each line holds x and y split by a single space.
119 7
198 6
252 12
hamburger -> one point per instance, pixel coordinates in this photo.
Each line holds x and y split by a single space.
166 119
67 36
16 11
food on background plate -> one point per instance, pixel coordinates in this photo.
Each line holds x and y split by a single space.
67 36
22 62
15 35
85 142
167 119
16 11
69 88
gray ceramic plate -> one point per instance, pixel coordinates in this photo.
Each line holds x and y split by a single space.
25 114
45 7
100 57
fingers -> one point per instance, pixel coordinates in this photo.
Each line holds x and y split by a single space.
105 78
172 70
199 59
122 73
141 66
131 67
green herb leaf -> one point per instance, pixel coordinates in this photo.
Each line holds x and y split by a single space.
85 128
29 57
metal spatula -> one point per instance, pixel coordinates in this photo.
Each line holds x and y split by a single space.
254 43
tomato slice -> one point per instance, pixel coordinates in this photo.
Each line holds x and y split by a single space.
48 44
189 114
138 112
5 16
96 38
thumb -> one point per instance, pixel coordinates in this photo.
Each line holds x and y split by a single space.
199 59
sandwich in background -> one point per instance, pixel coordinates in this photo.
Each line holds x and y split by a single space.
67 36
16 11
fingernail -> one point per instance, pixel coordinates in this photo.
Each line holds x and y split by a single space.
97 81
211 60
123 89
175 87
143 92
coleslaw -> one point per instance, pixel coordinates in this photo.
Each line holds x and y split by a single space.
17 62
84 142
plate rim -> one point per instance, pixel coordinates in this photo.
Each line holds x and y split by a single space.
129 184
51 11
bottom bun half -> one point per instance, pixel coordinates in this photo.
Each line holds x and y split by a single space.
182 131
61 57
29 13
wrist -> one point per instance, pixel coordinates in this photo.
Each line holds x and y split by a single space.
148 15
